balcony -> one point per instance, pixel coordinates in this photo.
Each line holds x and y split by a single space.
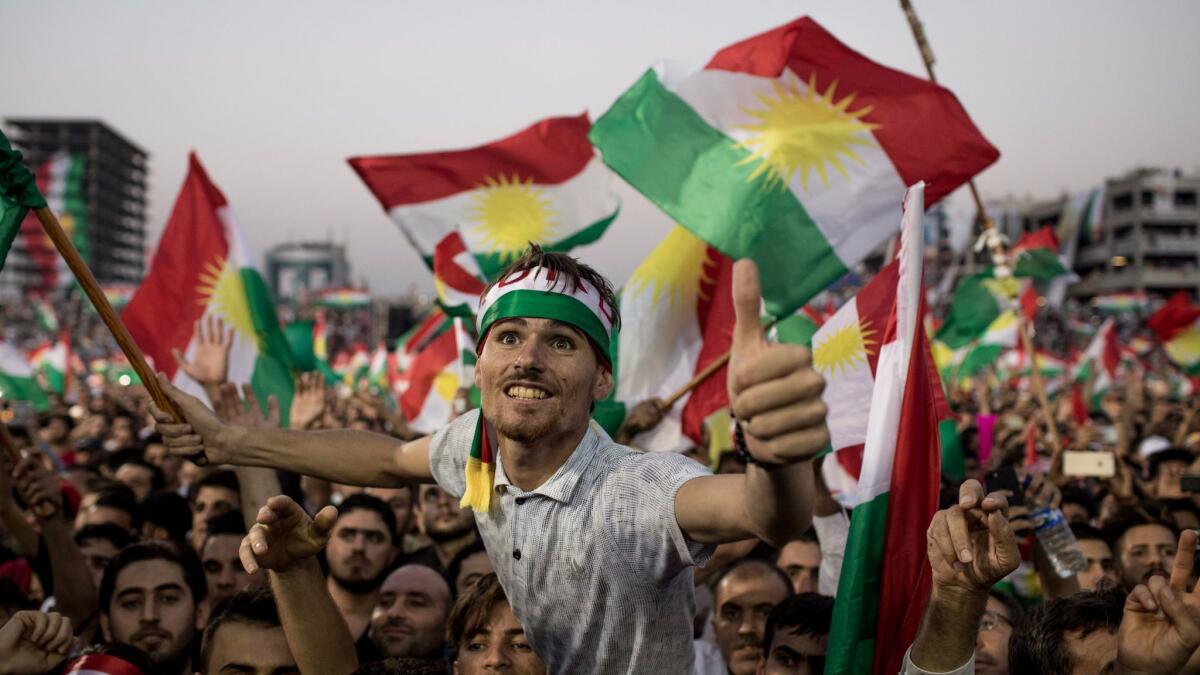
1170 277
1172 244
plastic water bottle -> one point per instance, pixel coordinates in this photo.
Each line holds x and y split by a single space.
1058 542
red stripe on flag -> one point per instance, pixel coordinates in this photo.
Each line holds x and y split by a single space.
1176 316
1043 238
425 368
922 126
876 302
715 311
548 152
450 272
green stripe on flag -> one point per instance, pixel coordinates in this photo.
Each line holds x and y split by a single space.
796 329
274 364
953 465
856 608
700 178
973 309
18 194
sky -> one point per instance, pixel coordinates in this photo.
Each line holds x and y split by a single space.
275 95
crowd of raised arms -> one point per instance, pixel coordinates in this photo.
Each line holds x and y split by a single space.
118 553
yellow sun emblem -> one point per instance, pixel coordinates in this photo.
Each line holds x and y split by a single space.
1003 287
803 130
509 213
844 349
221 290
673 270
446 385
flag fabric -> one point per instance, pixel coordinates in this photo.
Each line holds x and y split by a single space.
543 184
377 372
46 317
1015 363
1001 335
118 295
60 178
1036 256
978 300
203 268
1120 303
50 360
17 378
416 338
299 335
677 318
1177 326
800 327
434 376
791 149
1102 357
344 298
18 194
457 277
884 580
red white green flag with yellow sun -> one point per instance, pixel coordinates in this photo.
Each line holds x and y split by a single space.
789 148
203 268
543 184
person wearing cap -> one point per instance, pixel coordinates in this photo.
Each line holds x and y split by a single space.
592 541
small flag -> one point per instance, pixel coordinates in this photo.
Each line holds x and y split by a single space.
50 360
1177 326
978 300
344 298
17 379
1036 256
18 194
457 277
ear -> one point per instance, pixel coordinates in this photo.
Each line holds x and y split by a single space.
603 385
477 371
202 612
104 628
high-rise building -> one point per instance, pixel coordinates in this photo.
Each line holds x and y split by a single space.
108 187
297 270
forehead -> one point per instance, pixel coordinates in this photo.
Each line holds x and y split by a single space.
360 519
1095 548
803 644
98 545
388 494
751 583
222 546
147 575
128 469
414 579
213 493
800 552
264 648
1153 535
994 605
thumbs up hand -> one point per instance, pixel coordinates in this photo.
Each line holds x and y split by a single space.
774 392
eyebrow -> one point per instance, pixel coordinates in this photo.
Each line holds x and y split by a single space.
554 323
162 587
786 651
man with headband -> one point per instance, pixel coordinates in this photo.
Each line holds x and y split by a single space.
592 541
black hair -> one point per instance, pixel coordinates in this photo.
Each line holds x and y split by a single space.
455 566
168 510
181 555
1010 602
1155 461
229 522
803 614
1038 647
361 501
808 536
254 606
120 496
1076 494
114 534
1125 519
1085 531
222 478
134 457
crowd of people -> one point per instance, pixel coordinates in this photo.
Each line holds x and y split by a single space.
222 544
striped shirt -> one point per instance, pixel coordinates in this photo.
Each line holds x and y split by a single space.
593 561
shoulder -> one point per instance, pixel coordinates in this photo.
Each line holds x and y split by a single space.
659 468
449 449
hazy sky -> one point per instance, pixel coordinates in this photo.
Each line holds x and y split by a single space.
275 95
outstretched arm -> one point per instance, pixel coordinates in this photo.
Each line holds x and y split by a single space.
344 456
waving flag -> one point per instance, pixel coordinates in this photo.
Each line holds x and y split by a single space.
543 185
1036 256
1102 357
457 277
978 300
17 381
204 268
434 376
789 148
18 194
1177 326
51 360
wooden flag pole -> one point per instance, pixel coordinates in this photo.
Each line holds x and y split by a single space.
91 288
695 381
995 243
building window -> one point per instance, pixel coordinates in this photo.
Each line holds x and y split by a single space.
1185 199
1147 198
1122 202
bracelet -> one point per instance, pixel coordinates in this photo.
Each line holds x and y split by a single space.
743 452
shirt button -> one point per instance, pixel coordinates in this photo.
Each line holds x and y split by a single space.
516 554
520 501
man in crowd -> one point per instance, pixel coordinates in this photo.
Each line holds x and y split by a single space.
99 544
141 476
210 496
410 614
485 635
553 497
800 559
219 556
153 597
246 638
743 598
1000 616
1099 556
1142 547
796 635
402 501
1077 634
449 526
359 553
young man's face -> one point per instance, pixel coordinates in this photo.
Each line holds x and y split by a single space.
152 609
240 648
538 379
222 567
991 643
1142 551
96 554
156 454
211 500
801 561
794 654
743 600
138 478
410 615
472 568
1100 563
359 549
498 646
442 519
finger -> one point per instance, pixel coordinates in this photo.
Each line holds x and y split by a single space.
324 520
273 414
1185 559
258 538
1142 599
996 502
282 506
160 416
970 494
774 363
1171 602
179 358
60 639
251 399
760 397
791 446
939 535
39 628
778 422
1003 543
747 298
246 555
960 538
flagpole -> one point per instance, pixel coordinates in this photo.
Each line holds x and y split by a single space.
994 241
91 288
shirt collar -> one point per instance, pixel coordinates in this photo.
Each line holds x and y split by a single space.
561 486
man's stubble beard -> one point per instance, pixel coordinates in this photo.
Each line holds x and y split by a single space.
359 586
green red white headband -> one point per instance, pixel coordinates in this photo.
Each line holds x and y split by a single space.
540 293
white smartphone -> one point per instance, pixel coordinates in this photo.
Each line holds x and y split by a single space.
1078 463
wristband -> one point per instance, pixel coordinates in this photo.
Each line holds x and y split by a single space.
743 452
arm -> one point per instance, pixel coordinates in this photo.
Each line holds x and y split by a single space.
776 396
343 456
11 515
970 547
285 540
33 642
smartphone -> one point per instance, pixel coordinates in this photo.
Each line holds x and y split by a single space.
1100 464
1005 478
1190 482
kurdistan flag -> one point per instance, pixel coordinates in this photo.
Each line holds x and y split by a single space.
1102 357
1036 256
457 277
1000 336
434 376
50 360
1177 326
18 194
789 148
978 301
543 184
17 381
676 319
60 178
884 581
203 268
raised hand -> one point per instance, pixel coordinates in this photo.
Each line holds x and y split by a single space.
775 393
308 401
283 534
246 412
1160 628
643 417
210 359
38 487
33 642
971 545
200 432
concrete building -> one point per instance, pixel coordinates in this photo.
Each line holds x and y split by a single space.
113 197
296 270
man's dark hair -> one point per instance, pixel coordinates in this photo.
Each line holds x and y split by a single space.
171 512
154 438
409 665
1155 462
1125 519
472 609
114 534
181 555
230 522
134 457
1010 602
119 496
808 536
1037 646
767 565
254 606
131 655
1085 531
803 614
455 566
1074 494
222 478
361 501
570 271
